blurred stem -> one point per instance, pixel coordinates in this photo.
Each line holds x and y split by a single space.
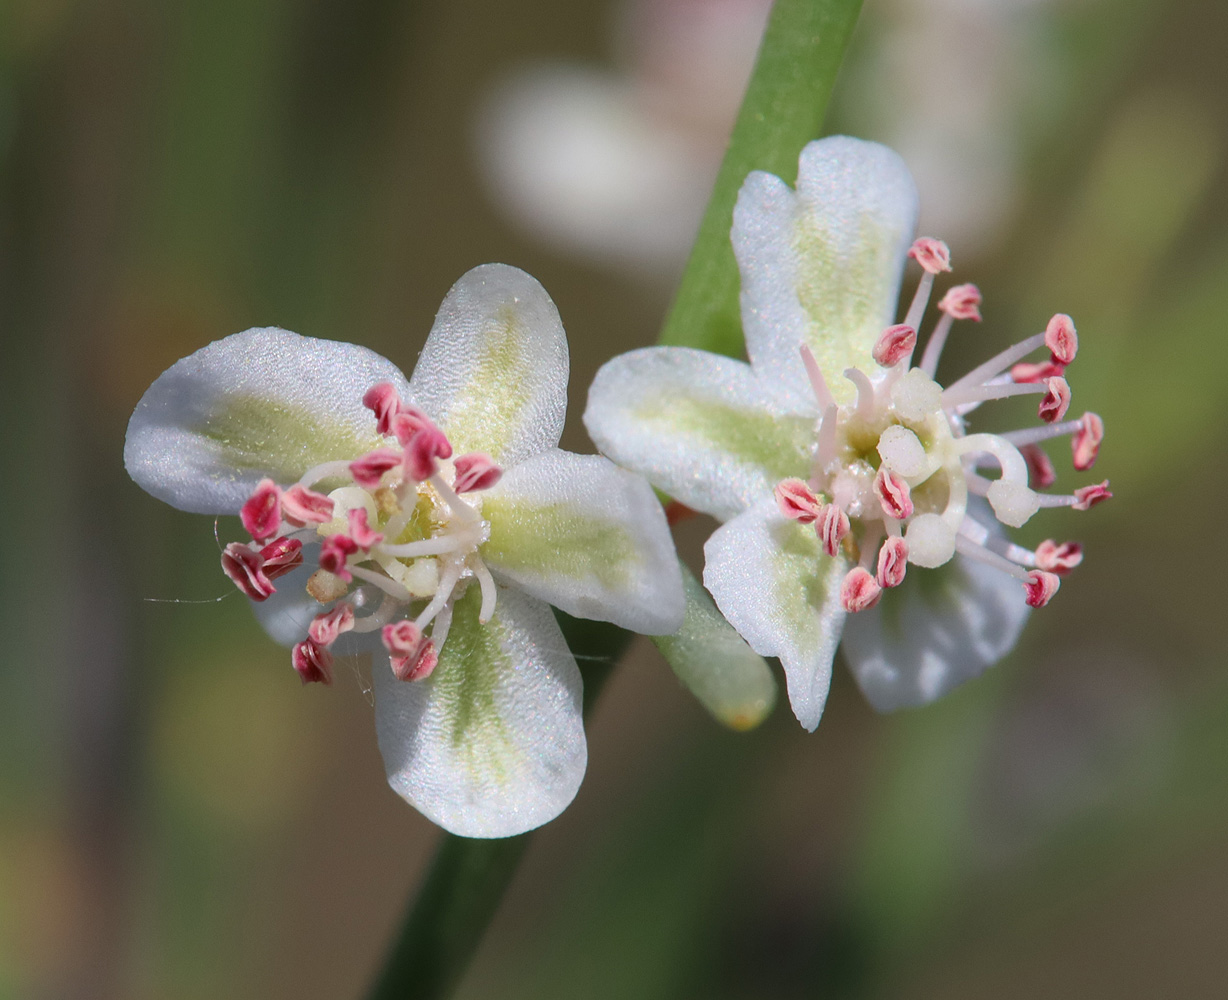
467 878
782 111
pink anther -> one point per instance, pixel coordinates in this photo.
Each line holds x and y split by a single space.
411 654
369 470
1088 496
408 421
1056 400
892 562
894 344
833 524
301 506
476 471
1085 442
859 591
361 532
385 402
334 553
962 302
418 667
797 501
313 662
1040 587
1029 372
931 254
1041 474
402 638
245 567
1060 559
261 514
423 449
1061 339
893 494
327 627
281 556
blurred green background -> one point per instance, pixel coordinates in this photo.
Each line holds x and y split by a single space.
180 819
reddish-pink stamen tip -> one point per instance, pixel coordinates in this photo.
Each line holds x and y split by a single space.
384 401
1040 587
369 470
1088 496
476 471
361 531
893 494
892 562
833 524
1056 401
1060 559
313 662
859 591
333 554
327 627
894 344
281 556
1061 339
301 506
411 654
797 501
427 445
931 254
261 514
245 568
1029 372
962 302
1041 474
1085 442
407 422
415 668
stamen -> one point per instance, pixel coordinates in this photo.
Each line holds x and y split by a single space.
361 532
999 363
334 552
937 341
384 401
411 655
281 557
458 506
245 568
894 345
961 393
327 627
489 593
892 562
261 514
859 591
387 585
447 583
1040 371
1060 559
423 449
475 471
893 494
436 546
1033 435
962 302
931 254
967 547
1041 474
1057 400
301 506
407 422
1061 339
1085 444
832 526
1040 587
313 662
797 502
325 470
369 470
1089 496
818 384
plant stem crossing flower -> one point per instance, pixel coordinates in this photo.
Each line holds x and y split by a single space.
434 520
836 462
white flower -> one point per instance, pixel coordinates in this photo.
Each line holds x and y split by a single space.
446 519
834 462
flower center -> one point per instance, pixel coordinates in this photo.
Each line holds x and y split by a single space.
892 472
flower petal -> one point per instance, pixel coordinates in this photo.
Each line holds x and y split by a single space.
492 743
729 678
776 586
493 373
263 403
822 265
588 537
938 629
701 427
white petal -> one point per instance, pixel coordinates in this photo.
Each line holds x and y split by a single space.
263 403
492 743
588 537
822 265
701 427
936 630
493 373
729 678
776 586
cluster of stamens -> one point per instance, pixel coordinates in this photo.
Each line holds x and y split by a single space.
400 533
893 470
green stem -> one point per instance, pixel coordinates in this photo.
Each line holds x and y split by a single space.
782 111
